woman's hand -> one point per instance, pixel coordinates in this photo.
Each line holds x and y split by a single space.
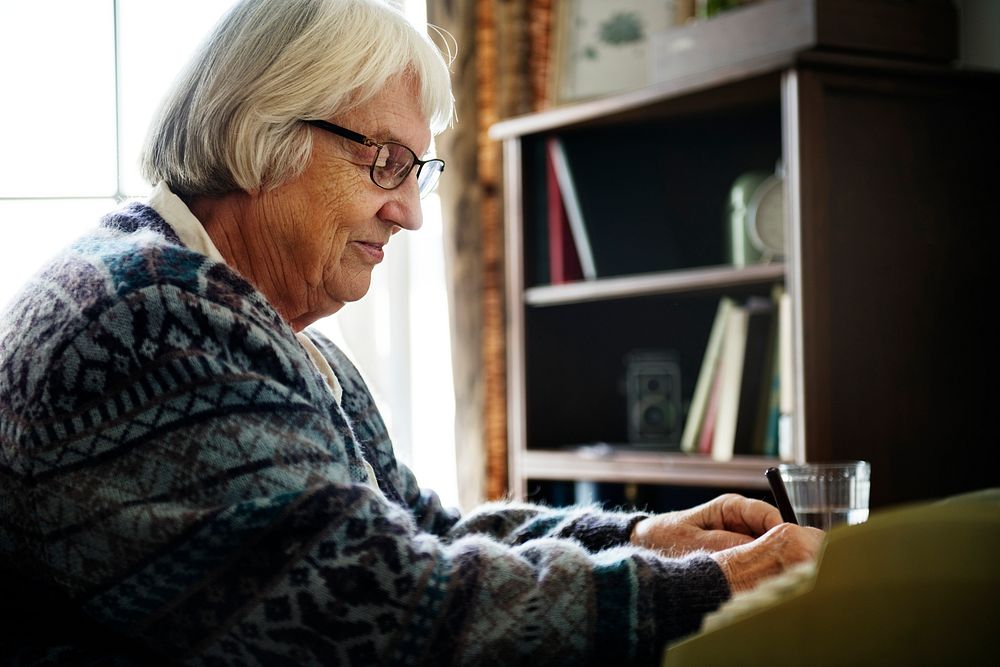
785 545
745 537
727 521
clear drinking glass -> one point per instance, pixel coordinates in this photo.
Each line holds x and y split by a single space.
825 495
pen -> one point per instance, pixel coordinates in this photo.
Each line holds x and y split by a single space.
780 496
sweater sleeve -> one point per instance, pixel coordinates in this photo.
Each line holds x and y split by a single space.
508 522
189 489
515 523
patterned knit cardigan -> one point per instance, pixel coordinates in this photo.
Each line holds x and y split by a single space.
175 471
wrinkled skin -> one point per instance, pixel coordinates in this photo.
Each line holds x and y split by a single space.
745 537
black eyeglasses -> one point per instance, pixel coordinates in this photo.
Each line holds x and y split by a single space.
393 162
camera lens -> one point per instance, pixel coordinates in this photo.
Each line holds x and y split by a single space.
653 416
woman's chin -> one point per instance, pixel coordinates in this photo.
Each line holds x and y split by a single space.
342 296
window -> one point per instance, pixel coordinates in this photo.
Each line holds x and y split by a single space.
78 97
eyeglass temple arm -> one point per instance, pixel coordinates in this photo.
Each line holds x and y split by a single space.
342 131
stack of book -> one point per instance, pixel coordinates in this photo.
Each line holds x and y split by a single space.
742 388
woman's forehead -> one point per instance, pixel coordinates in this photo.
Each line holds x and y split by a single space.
394 114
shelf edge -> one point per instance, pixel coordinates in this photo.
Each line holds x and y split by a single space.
746 472
651 284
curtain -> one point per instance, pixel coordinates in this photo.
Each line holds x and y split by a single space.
499 71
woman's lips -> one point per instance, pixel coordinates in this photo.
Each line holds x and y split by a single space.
372 250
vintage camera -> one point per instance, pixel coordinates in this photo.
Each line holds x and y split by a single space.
653 396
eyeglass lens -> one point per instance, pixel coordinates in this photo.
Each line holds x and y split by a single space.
427 177
394 162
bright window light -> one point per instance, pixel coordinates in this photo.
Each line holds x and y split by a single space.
155 41
57 119
34 230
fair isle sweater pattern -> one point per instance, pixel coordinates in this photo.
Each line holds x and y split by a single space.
172 460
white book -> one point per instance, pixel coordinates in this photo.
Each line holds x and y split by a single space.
785 351
572 205
702 387
733 349
787 395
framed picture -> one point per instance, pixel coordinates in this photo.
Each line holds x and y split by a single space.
603 46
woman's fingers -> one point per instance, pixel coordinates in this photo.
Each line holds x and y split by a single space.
785 545
735 513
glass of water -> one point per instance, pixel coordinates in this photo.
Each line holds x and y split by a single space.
825 495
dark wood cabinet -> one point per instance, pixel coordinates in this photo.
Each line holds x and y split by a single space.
897 248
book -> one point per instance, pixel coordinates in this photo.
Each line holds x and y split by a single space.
536 209
756 377
768 438
706 376
730 374
572 205
707 432
564 263
786 391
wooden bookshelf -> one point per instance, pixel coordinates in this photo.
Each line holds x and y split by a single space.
890 164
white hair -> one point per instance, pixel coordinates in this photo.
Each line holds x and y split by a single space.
231 121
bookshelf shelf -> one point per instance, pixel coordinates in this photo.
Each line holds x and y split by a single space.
889 158
667 282
638 467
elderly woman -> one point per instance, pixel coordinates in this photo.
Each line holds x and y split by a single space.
188 473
